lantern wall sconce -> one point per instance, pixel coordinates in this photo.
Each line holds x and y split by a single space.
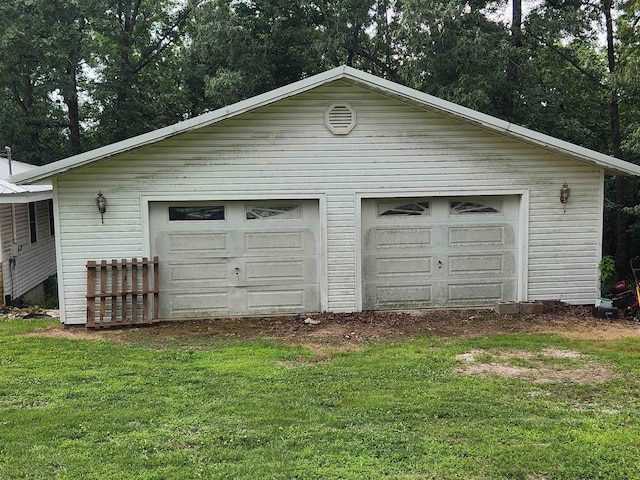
565 191
101 203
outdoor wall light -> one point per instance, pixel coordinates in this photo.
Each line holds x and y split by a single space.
101 203
564 195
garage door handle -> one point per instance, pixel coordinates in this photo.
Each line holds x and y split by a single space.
237 270
439 264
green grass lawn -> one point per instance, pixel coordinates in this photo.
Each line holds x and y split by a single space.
207 408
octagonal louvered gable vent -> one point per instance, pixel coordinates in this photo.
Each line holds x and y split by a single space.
340 118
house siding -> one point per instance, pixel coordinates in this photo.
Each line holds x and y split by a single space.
284 149
35 262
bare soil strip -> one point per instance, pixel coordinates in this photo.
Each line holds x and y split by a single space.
347 330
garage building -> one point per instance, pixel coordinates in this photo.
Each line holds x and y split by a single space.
341 192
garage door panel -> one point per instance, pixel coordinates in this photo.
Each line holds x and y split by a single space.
188 303
190 244
401 237
283 242
267 271
398 297
282 299
197 273
483 264
455 252
279 298
396 266
479 236
185 303
475 291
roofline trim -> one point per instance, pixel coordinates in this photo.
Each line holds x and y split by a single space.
610 164
25 197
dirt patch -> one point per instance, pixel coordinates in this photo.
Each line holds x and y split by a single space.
346 331
550 365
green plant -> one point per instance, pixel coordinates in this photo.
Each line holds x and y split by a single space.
607 267
50 292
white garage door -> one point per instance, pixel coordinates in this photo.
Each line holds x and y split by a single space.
437 252
228 258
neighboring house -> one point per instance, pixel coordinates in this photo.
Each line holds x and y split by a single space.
27 236
341 192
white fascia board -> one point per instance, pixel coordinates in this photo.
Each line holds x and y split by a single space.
415 96
611 165
12 193
26 197
56 168
366 80
7 188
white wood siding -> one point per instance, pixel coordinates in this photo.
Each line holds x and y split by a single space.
285 149
35 262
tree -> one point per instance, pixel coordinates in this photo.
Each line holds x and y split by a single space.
513 60
32 124
242 48
566 32
455 51
70 41
363 34
136 50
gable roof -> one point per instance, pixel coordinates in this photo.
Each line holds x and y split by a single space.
610 164
12 193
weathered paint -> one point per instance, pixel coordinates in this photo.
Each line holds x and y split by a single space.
234 262
439 256
285 150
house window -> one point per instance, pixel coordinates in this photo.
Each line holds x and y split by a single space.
197 213
33 225
52 229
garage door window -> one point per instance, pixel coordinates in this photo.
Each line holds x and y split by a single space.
196 213
418 208
465 208
270 211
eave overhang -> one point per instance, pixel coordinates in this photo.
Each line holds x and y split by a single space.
610 165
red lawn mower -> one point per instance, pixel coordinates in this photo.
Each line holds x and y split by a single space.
626 297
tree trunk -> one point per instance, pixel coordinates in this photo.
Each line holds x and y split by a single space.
513 62
24 96
73 107
622 219
128 15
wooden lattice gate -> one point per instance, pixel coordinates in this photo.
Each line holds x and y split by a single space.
122 292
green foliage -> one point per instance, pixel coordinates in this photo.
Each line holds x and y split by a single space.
136 49
607 267
241 49
206 408
51 292
455 52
